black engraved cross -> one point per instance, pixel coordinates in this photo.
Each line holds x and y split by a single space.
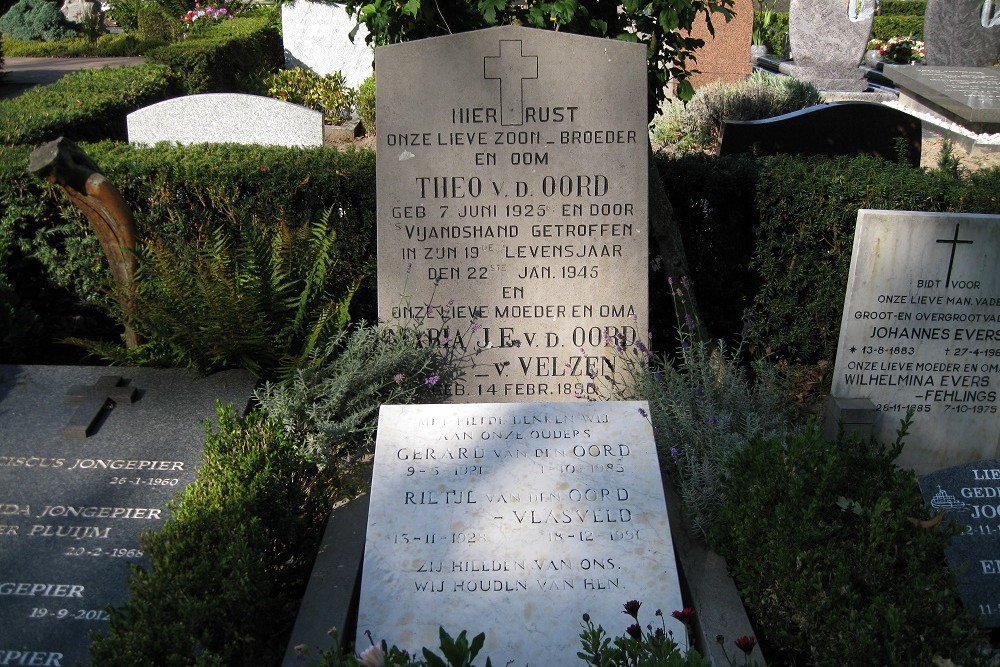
954 244
91 402
511 68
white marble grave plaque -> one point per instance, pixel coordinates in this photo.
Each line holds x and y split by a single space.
514 520
512 205
920 330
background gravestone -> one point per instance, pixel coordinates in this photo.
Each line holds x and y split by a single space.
726 55
921 329
512 205
315 36
80 481
514 520
827 44
954 35
970 496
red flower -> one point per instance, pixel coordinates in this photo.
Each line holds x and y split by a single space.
745 643
634 631
632 608
683 615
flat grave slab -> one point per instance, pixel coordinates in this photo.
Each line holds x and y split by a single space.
513 205
81 477
969 96
226 118
921 330
514 520
969 494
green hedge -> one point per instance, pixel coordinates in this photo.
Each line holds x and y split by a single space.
886 27
88 105
902 8
105 46
231 57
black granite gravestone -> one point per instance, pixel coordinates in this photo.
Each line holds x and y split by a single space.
840 128
80 481
970 495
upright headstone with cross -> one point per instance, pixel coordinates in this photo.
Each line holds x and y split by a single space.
512 206
921 332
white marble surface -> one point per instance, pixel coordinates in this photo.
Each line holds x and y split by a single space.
921 328
514 520
226 118
315 37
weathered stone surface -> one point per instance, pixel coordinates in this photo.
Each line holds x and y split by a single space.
513 520
83 12
843 128
920 330
828 43
968 495
969 96
72 511
726 55
512 200
954 35
315 37
226 118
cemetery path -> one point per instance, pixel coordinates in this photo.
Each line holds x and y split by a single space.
20 74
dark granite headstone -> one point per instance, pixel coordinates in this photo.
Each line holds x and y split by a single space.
88 461
970 495
841 128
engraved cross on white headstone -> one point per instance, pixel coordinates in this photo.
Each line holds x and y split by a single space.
91 402
511 68
954 244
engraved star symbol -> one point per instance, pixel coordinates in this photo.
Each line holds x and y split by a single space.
853 349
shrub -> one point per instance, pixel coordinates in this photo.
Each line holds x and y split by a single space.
696 125
330 405
902 7
125 13
105 46
365 101
229 56
328 93
84 105
230 566
153 23
36 19
821 538
887 27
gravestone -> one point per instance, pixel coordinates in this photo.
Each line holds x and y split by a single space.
514 520
725 56
512 205
968 96
828 39
226 118
969 495
921 331
315 36
89 459
840 128
955 34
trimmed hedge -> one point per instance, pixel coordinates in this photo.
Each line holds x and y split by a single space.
88 105
902 8
105 46
231 57
886 27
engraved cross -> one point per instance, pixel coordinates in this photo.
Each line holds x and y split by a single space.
511 68
954 244
91 402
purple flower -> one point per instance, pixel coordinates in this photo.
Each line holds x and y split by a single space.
688 321
632 608
634 631
432 380
675 455
639 345
670 280
398 378
475 326
699 392
642 413
658 375
409 266
713 420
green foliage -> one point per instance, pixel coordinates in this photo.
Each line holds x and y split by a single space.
328 93
229 56
902 8
152 22
824 541
662 26
230 565
808 209
365 101
650 648
696 125
777 37
105 46
458 652
886 27
328 407
84 105
125 13
36 19
253 296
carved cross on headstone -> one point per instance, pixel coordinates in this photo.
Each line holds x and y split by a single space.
951 262
91 401
511 68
